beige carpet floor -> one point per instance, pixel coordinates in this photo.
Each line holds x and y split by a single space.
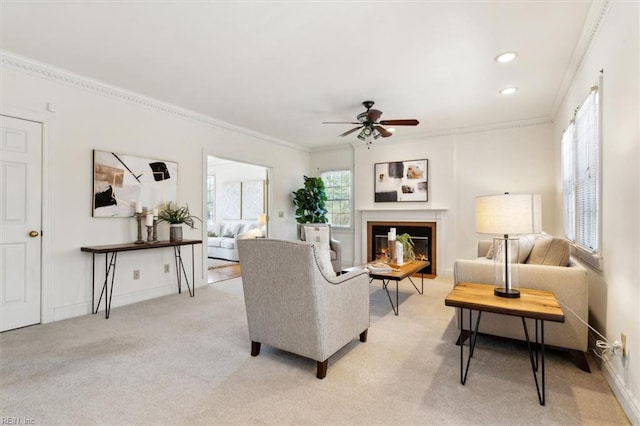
177 360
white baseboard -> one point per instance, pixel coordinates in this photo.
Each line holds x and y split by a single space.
628 402
79 309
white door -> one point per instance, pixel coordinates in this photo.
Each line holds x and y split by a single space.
20 222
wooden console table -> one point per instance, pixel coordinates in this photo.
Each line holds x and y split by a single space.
110 267
538 305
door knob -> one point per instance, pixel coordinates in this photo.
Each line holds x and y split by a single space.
34 234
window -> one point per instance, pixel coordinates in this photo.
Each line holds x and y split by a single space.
211 198
338 187
581 178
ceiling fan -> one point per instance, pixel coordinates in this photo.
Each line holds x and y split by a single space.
371 127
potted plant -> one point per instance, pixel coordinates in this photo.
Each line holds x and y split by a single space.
176 216
407 246
310 201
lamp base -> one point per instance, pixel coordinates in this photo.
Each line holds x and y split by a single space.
508 293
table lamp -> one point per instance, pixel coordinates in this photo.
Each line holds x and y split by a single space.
262 223
507 214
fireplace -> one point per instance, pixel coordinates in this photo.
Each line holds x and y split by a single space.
423 235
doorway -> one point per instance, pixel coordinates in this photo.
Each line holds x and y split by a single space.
236 202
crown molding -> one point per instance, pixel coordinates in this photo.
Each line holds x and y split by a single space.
592 26
49 72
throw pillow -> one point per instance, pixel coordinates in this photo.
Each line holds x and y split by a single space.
230 230
490 252
323 258
317 235
549 250
212 234
525 243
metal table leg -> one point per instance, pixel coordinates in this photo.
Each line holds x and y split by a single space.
534 361
180 270
473 335
109 268
395 308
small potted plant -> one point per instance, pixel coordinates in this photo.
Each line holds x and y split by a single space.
407 246
176 216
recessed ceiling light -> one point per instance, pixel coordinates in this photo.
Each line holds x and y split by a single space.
509 91
505 57
391 129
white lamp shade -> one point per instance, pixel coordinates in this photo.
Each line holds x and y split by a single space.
509 214
262 219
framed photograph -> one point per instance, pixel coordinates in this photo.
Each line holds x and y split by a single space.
252 199
401 181
120 181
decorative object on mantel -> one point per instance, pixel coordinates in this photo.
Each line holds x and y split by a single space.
310 201
120 181
401 181
176 217
508 214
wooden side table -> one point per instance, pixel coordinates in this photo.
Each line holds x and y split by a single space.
538 305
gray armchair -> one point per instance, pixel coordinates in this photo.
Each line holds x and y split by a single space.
292 305
335 248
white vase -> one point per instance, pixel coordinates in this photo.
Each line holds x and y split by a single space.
175 232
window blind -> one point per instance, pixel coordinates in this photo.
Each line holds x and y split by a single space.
581 175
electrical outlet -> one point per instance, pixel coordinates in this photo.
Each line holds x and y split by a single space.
166 268
623 340
136 274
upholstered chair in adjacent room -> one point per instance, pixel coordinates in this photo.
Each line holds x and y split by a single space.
321 233
296 302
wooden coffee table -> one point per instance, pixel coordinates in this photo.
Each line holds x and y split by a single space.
398 274
538 305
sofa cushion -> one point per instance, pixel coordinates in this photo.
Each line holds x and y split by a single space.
214 241
228 243
549 250
317 235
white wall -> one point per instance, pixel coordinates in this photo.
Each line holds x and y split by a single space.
89 115
614 293
461 167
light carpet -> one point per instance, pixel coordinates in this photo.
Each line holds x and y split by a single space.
177 360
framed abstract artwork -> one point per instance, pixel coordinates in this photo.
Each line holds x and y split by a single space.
121 180
231 200
252 199
401 181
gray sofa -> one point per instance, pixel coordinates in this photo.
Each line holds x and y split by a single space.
568 283
296 303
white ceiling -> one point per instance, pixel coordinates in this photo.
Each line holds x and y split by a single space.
281 68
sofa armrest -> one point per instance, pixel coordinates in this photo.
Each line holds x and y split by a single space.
336 246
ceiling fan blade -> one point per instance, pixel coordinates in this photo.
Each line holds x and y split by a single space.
407 122
340 122
383 132
373 115
348 132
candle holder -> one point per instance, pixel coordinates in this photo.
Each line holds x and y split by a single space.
155 230
139 220
149 234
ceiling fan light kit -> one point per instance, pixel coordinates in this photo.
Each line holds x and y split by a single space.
369 125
